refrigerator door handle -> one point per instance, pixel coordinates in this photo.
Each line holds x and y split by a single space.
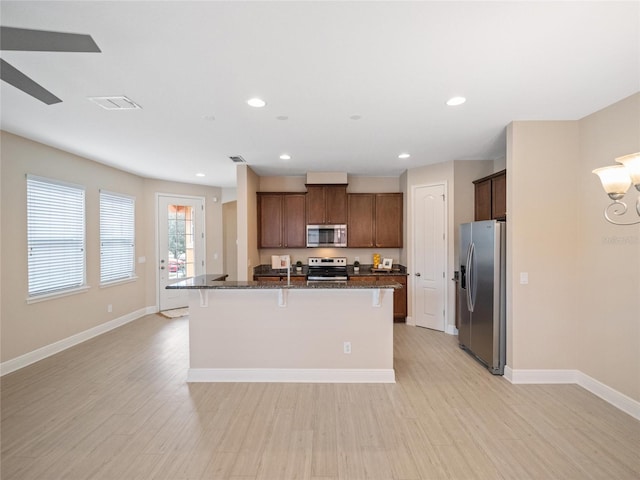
471 280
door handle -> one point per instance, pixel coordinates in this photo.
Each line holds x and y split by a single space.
162 267
418 274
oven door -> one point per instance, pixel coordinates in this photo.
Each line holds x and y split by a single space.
326 235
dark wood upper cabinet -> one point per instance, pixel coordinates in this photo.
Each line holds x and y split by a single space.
326 204
388 220
491 197
281 220
360 228
295 224
499 197
374 220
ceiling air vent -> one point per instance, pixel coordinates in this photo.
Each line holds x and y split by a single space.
237 159
116 103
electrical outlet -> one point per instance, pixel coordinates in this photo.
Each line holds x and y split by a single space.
109 308
347 347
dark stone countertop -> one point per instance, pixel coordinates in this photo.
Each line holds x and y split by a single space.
215 281
266 271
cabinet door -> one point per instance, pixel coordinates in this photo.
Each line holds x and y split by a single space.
399 297
388 220
267 279
294 221
336 204
315 205
483 200
499 197
363 278
270 218
360 230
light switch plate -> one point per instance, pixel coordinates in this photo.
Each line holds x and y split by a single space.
524 278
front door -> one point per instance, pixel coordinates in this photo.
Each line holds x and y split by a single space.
180 246
429 256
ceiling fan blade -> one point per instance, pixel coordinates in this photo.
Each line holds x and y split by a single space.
13 76
24 39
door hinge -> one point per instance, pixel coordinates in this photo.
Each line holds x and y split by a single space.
202 261
202 235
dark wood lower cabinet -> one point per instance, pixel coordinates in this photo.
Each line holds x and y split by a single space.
399 294
297 278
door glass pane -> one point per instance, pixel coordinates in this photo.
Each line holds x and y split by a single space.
181 261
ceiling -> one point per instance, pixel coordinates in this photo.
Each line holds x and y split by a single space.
191 66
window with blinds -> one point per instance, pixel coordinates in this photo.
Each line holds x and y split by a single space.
117 237
55 236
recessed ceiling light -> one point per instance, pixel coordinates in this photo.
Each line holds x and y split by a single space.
210 118
199 174
455 101
404 155
256 102
355 117
282 117
285 156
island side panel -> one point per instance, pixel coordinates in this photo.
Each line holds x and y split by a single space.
248 329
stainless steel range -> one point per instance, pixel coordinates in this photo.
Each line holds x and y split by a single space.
327 269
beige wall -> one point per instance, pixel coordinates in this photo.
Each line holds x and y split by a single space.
542 236
463 194
580 308
248 256
27 327
230 245
608 295
356 184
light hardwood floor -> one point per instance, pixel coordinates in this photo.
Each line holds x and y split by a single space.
118 407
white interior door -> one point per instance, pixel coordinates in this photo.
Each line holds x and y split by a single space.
429 208
180 246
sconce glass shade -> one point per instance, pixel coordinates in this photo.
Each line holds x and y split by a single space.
615 180
632 164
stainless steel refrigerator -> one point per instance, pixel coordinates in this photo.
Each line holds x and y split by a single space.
481 295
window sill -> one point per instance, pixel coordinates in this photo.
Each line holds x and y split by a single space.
119 282
51 296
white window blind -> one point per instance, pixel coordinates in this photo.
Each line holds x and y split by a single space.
117 237
55 236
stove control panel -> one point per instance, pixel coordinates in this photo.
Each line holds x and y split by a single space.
327 261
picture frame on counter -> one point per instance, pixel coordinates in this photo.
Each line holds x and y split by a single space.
387 263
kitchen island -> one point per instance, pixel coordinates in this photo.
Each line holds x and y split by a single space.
270 332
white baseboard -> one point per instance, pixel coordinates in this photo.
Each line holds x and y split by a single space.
56 347
608 394
409 321
451 329
291 375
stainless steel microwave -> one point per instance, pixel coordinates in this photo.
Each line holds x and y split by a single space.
326 235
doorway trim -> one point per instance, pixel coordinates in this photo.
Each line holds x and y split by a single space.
157 235
449 329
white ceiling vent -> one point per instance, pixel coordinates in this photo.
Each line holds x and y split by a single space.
237 159
116 103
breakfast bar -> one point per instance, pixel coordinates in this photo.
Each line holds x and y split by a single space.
298 332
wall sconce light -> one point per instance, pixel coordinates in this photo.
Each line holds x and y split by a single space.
616 180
